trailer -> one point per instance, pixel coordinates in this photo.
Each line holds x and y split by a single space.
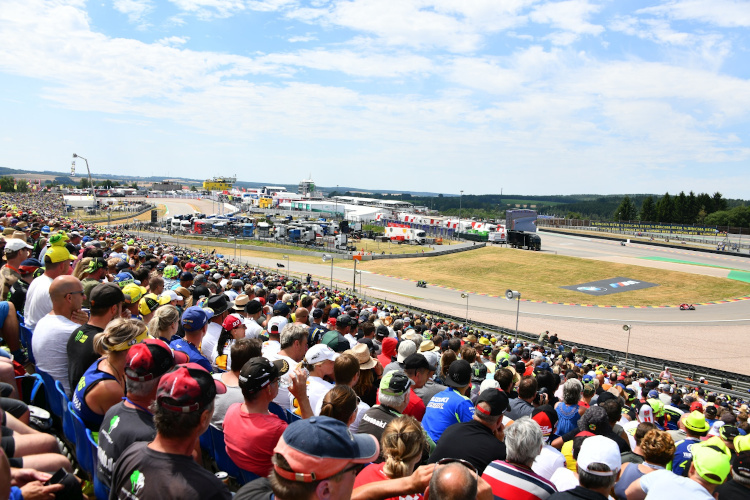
410 235
521 226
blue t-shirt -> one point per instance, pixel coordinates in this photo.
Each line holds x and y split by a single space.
683 453
193 353
445 409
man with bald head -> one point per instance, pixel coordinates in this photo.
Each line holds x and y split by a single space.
302 315
457 480
50 339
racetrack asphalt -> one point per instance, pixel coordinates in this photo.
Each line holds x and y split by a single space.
713 335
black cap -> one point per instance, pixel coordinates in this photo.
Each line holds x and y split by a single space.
317 313
280 309
187 276
253 307
495 398
459 374
200 291
259 372
218 303
382 331
344 320
106 295
416 361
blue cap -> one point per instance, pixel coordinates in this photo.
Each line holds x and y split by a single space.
186 276
281 308
141 254
32 263
123 279
587 378
195 317
653 393
45 229
86 239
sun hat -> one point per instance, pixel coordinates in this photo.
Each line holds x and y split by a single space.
362 353
320 447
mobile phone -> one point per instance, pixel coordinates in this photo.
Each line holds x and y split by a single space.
57 477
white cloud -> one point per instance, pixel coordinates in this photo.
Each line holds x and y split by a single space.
302 38
569 15
373 65
173 41
725 13
207 9
136 10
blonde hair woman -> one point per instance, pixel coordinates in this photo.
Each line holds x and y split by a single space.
103 384
164 323
401 445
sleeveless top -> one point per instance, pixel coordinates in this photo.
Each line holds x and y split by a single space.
567 418
632 473
90 378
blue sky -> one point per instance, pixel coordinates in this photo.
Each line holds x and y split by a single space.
531 96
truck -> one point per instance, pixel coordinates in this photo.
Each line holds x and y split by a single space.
406 234
521 229
499 236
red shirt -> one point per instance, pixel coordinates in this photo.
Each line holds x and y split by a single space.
374 473
251 437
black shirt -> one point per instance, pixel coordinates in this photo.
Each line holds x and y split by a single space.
375 419
732 490
471 441
259 489
121 427
81 353
146 474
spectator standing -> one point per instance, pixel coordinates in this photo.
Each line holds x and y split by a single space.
39 297
452 405
242 351
696 427
195 322
522 406
598 465
395 387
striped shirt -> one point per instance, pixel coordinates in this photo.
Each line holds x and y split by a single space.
516 482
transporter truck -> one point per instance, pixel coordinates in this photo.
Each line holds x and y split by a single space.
406 235
521 229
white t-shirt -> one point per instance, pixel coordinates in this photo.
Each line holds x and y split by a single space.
317 388
231 295
283 398
38 302
666 484
253 329
564 479
50 346
548 461
270 348
351 339
208 344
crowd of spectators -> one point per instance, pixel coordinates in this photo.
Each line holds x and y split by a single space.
318 393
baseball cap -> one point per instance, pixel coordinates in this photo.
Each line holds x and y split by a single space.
696 422
133 293
497 401
95 264
478 372
123 279
335 341
259 372
320 447
712 460
546 417
395 383
320 352
276 324
601 450
106 295
148 304
150 359
741 464
696 406
594 420
29 265
343 320
433 359
15 244
168 296
416 361
405 349
253 307
281 309
459 374
57 253
187 276
195 317
231 322
187 388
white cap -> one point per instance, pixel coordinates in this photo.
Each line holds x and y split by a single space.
278 321
406 349
15 244
602 450
646 414
320 352
172 295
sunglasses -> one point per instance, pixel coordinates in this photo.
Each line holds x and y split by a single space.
74 293
356 468
461 461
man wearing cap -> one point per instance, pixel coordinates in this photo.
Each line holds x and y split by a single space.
164 468
696 427
598 466
253 312
251 431
95 273
450 406
710 467
220 307
318 361
186 281
195 322
304 469
20 288
344 325
317 329
274 326
235 290
38 302
393 396
106 305
430 387
405 349
16 251
417 369
131 420
477 441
